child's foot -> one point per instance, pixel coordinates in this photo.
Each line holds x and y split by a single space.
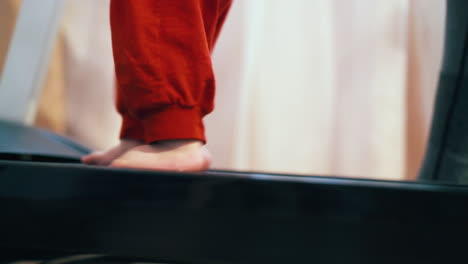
104 158
169 155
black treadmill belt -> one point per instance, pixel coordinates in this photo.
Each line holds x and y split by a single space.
37 158
25 257
228 217
25 143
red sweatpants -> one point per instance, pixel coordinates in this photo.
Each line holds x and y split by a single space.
162 53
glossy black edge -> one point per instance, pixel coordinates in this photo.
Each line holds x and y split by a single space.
254 176
66 141
228 217
31 157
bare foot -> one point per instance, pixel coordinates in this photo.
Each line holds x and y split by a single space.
169 155
104 158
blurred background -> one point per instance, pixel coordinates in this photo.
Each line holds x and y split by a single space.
324 87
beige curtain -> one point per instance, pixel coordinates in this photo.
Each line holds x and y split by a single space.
77 98
8 12
50 114
89 103
425 46
328 87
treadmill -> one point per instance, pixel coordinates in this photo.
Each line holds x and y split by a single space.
55 210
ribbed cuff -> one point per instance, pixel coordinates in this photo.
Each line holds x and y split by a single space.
132 129
174 122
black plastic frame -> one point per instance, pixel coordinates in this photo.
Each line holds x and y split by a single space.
227 217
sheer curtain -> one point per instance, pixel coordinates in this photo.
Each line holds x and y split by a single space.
89 105
322 87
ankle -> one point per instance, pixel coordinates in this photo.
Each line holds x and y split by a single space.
131 141
127 143
178 143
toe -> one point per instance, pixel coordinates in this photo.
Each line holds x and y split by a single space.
89 159
96 158
119 163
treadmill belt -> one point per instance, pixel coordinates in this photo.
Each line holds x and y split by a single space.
227 217
75 259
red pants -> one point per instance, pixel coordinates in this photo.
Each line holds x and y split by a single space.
162 53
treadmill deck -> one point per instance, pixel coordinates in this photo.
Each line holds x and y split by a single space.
227 217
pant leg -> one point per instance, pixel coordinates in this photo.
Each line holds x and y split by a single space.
447 150
162 53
